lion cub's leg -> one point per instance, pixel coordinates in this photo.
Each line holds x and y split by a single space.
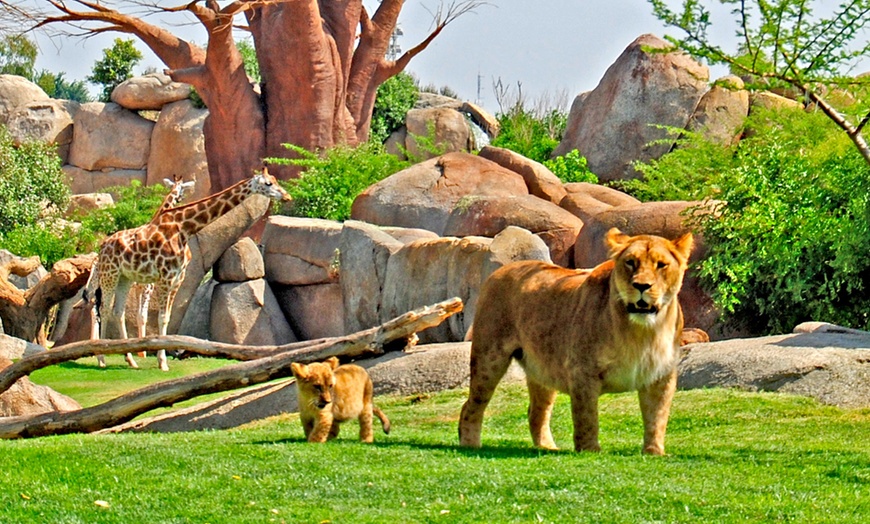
323 424
488 366
541 400
584 412
655 407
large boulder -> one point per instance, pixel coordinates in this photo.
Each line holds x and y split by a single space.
446 128
616 123
82 181
541 181
240 263
109 136
15 91
48 121
721 112
488 216
178 147
831 367
364 250
428 271
424 195
665 219
314 311
26 398
300 251
585 200
248 313
151 91
15 348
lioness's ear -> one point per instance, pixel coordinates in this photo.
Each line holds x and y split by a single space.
616 240
684 245
300 371
332 361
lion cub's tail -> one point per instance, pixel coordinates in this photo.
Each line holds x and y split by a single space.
383 417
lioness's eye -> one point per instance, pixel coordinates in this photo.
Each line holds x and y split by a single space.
662 265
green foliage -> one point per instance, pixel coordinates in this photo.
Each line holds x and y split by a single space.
333 179
734 457
533 134
395 98
30 182
789 240
115 66
689 172
49 240
135 204
56 86
249 58
17 56
571 168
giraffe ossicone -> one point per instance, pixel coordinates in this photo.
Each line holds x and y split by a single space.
157 253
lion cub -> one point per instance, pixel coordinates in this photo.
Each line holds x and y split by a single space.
330 394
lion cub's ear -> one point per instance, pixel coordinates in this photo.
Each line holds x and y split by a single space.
332 362
616 241
684 246
300 371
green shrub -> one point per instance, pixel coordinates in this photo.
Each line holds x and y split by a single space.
395 98
31 182
533 134
135 204
790 240
571 168
49 241
333 179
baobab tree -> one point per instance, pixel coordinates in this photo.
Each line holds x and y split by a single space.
321 63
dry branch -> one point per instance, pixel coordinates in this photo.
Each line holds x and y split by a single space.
126 407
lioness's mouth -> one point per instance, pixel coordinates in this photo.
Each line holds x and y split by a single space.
642 307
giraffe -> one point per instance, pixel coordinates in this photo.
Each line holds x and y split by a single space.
157 252
141 293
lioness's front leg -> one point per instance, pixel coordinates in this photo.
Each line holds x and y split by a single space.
584 411
655 407
322 426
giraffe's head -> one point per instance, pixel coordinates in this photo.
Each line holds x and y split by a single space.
266 184
177 188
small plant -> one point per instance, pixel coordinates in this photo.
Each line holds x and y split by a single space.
333 179
571 168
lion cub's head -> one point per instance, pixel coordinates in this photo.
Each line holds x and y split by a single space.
648 272
315 381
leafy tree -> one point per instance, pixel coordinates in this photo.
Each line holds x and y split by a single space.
115 66
785 43
249 58
321 63
17 56
571 167
74 90
395 98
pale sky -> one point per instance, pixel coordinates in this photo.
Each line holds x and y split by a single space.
555 48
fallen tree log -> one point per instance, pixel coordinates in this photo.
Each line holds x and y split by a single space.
164 394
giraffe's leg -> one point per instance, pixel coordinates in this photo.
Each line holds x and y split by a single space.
164 295
142 312
95 334
119 310
105 300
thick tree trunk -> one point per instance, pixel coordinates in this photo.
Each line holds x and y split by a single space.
24 312
126 407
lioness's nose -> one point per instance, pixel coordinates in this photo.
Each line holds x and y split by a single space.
640 286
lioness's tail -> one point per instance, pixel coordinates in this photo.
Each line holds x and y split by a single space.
384 420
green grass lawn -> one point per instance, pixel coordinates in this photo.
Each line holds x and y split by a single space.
733 457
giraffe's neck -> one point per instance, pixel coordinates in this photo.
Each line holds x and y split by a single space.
190 218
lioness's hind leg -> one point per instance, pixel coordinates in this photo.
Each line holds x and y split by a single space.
488 366
541 400
365 424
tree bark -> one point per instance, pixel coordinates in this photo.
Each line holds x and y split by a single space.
24 312
372 341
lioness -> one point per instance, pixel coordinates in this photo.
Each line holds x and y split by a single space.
609 329
330 394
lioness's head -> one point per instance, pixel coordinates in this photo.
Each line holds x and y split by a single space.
315 381
648 271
